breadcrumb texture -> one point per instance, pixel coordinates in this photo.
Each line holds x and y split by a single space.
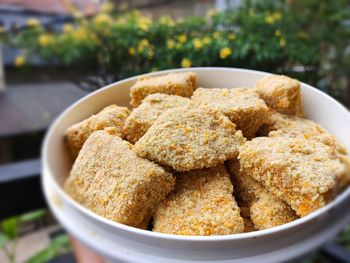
142 117
282 125
190 138
259 205
181 84
109 179
112 116
241 105
304 173
201 204
281 93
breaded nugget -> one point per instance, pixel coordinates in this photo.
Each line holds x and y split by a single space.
281 125
280 93
201 204
190 138
181 84
142 117
108 178
303 173
111 116
241 105
260 206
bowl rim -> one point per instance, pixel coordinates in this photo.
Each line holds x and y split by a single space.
47 172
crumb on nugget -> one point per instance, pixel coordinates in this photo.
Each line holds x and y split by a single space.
281 93
281 125
112 116
142 117
201 204
303 173
108 178
190 138
260 206
241 105
181 84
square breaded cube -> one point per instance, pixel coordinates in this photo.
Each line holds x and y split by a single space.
280 93
142 117
190 138
181 84
112 116
241 105
109 179
282 125
263 208
202 204
303 173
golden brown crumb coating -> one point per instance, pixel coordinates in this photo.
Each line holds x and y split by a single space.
282 125
304 173
112 116
280 93
260 206
201 204
142 117
190 138
181 84
109 179
241 105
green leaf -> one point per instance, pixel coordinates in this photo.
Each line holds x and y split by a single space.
57 246
32 216
10 227
3 239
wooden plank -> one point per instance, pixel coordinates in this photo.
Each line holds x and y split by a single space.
20 170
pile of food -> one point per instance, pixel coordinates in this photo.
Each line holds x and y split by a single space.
205 161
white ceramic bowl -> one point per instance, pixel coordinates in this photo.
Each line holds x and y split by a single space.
121 243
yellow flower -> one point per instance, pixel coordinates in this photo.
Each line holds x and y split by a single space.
211 13
102 20
81 34
77 14
142 45
206 40
278 33
33 22
20 61
107 7
225 52
216 35
132 51
232 36
197 43
277 15
167 20
182 38
144 23
186 63
272 18
67 28
170 44
2 29
150 53
283 42
45 40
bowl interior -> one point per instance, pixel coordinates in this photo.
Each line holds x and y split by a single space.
318 107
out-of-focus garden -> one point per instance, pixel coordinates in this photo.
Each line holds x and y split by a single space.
306 39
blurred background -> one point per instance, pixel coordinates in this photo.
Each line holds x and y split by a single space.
54 52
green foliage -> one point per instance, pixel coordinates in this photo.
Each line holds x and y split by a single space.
10 229
275 36
57 246
344 238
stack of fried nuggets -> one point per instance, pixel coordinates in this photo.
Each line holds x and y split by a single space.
274 179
